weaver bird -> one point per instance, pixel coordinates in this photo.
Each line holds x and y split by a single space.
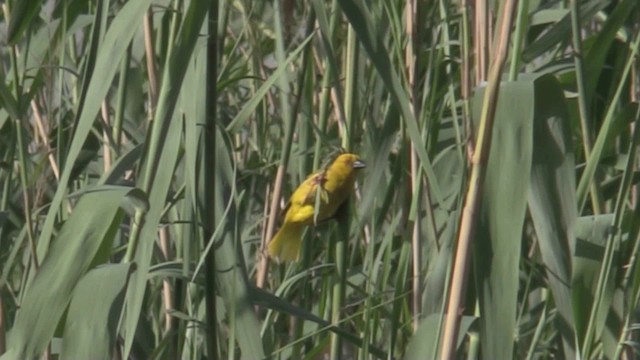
316 199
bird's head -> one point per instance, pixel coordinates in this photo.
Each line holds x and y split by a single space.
353 161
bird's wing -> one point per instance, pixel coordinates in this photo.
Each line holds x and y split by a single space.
307 191
303 200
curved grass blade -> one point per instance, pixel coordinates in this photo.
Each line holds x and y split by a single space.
161 158
97 301
88 229
498 241
115 43
361 21
552 199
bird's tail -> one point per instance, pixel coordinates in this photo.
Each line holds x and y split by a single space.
285 245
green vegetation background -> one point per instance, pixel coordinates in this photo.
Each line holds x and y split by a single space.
147 148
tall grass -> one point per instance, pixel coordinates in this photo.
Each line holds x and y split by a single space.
148 148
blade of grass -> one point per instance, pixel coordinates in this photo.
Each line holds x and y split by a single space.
472 201
607 123
552 200
97 300
161 156
115 42
497 244
88 229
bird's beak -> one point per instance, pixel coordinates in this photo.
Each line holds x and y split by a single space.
359 164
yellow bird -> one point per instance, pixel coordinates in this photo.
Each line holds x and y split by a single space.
308 207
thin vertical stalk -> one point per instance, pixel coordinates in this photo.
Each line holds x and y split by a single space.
121 99
61 89
465 86
152 72
446 44
156 132
583 109
23 166
153 152
330 86
22 159
40 127
473 198
25 193
410 61
304 89
589 172
167 297
289 120
273 209
329 78
106 134
624 193
480 44
522 21
136 227
209 163
542 324
466 79
614 239
163 237
416 244
350 96
150 54
6 187
576 41
3 330
340 276
263 261
339 285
